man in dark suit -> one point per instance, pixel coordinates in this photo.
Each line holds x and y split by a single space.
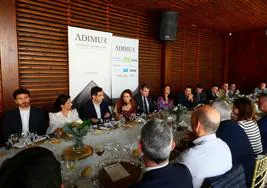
237 140
144 103
212 93
96 109
157 143
263 121
186 98
24 118
199 96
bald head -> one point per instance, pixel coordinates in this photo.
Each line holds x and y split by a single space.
207 117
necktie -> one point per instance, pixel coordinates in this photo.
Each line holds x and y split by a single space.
145 105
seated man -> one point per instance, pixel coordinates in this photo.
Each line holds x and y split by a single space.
212 94
263 121
157 143
224 91
35 167
236 138
186 98
210 156
261 89
233 92
144 103
96 109
199 96
24 118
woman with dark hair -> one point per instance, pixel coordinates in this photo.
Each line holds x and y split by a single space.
63 114
164 102
125 106
243 111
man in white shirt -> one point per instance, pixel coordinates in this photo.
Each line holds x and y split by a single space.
96 109
210 156
24 118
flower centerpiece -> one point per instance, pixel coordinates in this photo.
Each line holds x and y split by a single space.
179 110
78 129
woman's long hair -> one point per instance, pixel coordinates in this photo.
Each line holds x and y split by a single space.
120 103
61 100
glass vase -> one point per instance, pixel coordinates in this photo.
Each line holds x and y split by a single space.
78 144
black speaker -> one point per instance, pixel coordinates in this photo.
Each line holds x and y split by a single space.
168 25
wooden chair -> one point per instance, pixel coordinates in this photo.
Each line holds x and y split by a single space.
260 172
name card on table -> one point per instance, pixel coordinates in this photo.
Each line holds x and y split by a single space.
116 172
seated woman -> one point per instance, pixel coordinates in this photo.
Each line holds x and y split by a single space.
243 113
125 106
64 114
164 102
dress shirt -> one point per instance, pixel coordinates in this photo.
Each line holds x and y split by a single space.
209 157
146 105
25 116
97 110
58 120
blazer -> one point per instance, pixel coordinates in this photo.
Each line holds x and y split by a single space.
171 176
239 144
139 103
182 100
200 98
263 130
210 95
12 122
87 111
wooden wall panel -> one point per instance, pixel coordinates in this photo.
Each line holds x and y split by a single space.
43 48
248 59
196 58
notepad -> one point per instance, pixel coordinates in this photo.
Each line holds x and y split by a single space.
116 172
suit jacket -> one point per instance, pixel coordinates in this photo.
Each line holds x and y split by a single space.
173 175
87 111
139 103
263 130
200 98
210 95
239 144
12 122
182 100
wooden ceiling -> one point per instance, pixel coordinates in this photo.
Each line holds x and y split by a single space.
218 15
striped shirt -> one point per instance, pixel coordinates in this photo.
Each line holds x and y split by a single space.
252 130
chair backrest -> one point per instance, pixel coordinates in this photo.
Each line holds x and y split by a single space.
234 178
260 172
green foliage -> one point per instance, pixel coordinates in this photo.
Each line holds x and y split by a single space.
77 129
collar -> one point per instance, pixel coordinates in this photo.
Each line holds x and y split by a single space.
205 138
95 104
24 110
156 167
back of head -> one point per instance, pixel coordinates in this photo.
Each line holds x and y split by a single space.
208 117
20 91
156 140
223 108
31 168
245 108
95 90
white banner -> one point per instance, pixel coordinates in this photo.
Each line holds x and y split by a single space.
89 61
124 65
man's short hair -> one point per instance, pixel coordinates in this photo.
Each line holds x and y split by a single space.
223 108
95 90
144 85
35 167
156 139
199 86
208 125
20 91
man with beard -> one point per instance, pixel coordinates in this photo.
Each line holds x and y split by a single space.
24 118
